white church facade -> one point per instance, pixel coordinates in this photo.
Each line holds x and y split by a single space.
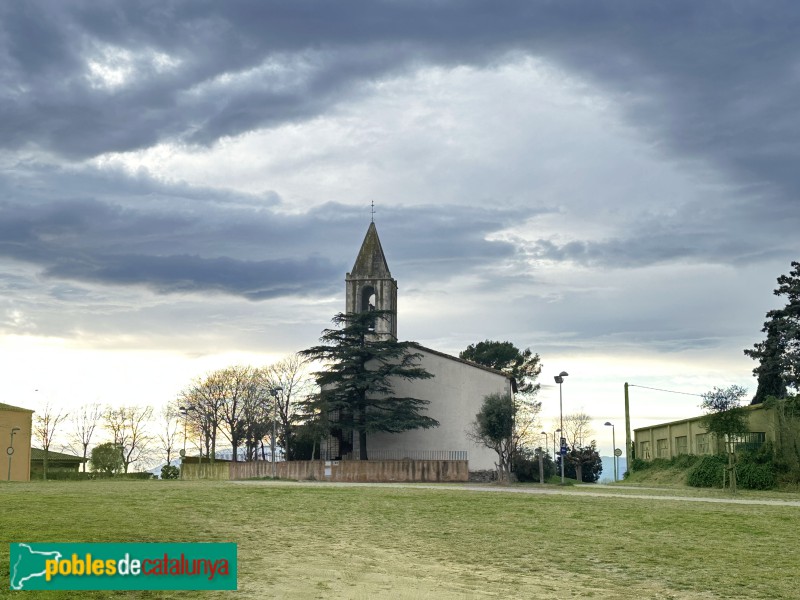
455 392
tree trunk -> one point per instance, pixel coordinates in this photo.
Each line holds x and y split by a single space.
362 444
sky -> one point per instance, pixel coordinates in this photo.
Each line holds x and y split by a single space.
183 186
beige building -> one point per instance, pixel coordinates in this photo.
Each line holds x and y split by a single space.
688 436
15 440
455 392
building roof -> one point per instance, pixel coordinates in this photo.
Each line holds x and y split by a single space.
8 407
466 362
687 420
371 262
37 454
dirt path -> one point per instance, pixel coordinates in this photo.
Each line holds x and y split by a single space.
547 490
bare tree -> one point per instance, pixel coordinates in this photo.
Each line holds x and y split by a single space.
206 397
577 429
169 426
45 426
84 422
293 384
128 425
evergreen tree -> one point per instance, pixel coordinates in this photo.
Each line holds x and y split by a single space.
523 366
356 386
779 355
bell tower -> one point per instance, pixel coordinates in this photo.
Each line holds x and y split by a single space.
370 285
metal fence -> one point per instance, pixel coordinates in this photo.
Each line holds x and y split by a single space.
411 455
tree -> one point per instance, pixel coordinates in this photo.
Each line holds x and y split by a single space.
168 434
206 397
582 463
778 355
523 366
356 391
128 425
289 376
107 458
44 428
504 424
726 419
242 406
576 428
84 423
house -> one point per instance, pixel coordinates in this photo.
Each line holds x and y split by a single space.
455 392
57 462
15 440
688 436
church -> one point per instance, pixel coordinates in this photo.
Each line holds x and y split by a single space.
455 392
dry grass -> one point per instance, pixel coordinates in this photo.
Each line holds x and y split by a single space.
324 541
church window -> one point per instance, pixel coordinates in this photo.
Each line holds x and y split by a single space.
367 298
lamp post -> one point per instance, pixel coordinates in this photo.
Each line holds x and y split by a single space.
546 445
185 412
554 442
274 392
614 444
559 380
10 450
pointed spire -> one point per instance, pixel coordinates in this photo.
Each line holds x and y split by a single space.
371 261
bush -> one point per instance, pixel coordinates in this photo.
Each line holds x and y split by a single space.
170 472
526 466
144 475
707 472
755 476
61 475
637 464
685 461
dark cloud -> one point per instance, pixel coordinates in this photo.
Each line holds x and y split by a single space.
134 231
709 80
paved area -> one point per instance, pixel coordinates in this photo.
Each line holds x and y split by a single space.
604 491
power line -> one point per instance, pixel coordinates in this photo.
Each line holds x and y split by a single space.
661 390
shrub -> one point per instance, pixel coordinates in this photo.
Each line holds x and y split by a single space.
637 464
170 472
755 476
526 466
707 472
143 475
684 461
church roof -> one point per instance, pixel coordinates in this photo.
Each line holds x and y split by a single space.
466 362
371 261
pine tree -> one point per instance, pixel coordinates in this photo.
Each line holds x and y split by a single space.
779 355
356 391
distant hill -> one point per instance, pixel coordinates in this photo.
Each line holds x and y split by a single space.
607 476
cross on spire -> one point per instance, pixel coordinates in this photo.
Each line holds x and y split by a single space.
372 204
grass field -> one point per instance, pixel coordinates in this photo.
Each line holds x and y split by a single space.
327 541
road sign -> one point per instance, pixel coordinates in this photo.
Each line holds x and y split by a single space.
617 452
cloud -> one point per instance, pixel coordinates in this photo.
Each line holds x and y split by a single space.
108 228
706 81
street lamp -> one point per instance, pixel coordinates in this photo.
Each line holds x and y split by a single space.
274 392
546 445
185 412
614 444
559 380
10 450
554 442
